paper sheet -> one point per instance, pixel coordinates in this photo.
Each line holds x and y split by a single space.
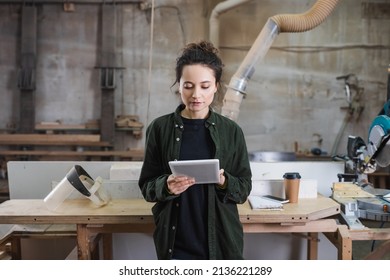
258 202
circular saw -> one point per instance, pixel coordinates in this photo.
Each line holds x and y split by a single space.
378 140
377 151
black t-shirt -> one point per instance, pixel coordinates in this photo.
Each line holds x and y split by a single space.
191 240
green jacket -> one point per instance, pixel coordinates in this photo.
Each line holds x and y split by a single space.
225 235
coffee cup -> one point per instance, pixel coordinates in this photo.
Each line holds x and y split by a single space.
291 186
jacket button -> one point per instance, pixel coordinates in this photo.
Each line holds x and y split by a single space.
181 126
178 139
170 251
177 204
173 228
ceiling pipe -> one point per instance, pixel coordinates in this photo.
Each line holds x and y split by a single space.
274 25
219 9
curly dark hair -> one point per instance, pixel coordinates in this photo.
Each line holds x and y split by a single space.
203 53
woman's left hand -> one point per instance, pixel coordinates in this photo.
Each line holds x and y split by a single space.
222 177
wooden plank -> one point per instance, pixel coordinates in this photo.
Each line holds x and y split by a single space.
83 250
312 246
370 234
323 225
62 143
44 126
122 228
308 209
48 139
27 211
72 211
122 154
345 243
54 126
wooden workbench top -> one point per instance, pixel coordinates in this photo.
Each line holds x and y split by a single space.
308 209
75 211
122 211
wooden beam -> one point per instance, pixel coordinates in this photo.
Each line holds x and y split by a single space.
49 139
122 154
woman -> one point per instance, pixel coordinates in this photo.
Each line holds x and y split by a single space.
196 221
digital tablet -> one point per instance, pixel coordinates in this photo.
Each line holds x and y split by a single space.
204 170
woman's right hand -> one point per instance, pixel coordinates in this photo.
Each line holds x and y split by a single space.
178 184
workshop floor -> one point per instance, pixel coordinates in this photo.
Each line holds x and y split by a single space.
359 248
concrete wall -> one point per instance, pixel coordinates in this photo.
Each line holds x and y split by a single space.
292 97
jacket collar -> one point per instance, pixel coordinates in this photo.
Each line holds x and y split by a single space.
210 121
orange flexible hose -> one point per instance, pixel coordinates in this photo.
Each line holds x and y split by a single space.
305 21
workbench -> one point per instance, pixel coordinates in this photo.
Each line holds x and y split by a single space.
344 238
309 216
347 194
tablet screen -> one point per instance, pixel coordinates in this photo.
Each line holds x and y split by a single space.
204 170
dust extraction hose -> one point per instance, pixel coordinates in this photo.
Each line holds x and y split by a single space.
306 21
275 25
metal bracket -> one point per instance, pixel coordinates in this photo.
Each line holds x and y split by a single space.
26 79
349 214
107 78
